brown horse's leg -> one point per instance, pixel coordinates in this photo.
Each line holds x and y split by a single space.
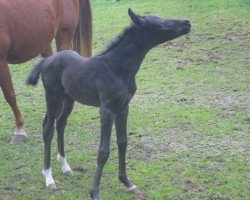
63 40
48 52
9 94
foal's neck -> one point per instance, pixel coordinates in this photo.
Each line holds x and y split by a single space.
127 53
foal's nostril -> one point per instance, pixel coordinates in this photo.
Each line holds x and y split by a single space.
186 22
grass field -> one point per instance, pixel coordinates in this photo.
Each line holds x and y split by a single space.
188 124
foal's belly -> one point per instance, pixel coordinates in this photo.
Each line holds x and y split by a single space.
89 101
85 97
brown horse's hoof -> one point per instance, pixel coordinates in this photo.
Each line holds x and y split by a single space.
16 139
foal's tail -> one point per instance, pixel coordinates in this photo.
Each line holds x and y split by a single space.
82 41
34 75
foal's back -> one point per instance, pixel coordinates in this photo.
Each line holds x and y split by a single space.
84 80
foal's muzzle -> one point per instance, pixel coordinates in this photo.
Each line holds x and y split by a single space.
186 26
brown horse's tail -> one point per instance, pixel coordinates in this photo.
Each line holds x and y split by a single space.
82 41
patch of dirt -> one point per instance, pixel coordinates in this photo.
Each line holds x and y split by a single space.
230 100
185 101
190 185
186 61
19 177
215 54
140 195
203 37
235 37
80 170
231 37
231 145
212 55
178 45
147 148
140 97
7 188
150 148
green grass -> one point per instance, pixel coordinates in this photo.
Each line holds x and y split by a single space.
188 124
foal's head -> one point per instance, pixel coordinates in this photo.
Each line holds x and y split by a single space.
160 30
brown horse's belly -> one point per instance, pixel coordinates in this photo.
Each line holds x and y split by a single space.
32 28
25 52
20 57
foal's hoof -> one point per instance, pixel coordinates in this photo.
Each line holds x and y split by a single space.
16 139
51 186
69 173
131 189
95 198
94 194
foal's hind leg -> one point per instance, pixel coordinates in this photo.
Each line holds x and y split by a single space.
121 132
61 122
54 102
9 94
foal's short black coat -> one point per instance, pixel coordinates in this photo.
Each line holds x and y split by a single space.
106 81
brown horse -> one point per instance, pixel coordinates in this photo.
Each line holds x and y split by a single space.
27 29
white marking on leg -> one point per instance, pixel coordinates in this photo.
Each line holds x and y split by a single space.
20 131
48 178
65 167
131 189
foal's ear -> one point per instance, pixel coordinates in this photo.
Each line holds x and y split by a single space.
137 19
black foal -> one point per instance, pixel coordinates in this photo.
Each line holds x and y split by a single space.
106 81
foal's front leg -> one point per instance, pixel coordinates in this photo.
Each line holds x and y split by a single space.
121 132
107 118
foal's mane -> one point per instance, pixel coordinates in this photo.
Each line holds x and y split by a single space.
117 40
